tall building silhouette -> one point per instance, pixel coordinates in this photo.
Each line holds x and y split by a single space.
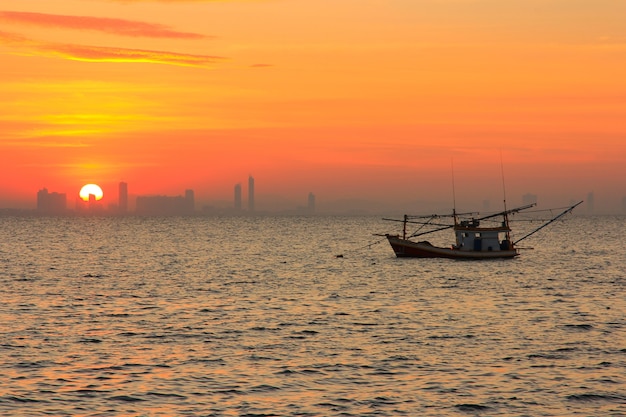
251 193
237 197
311 203
93 203
51 203
123 197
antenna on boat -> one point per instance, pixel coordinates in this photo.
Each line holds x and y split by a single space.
453 191
503 184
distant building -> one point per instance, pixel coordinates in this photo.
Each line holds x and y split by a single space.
529 198
123 197
238 197
161 205
51 203
89 206
190 201
311 203
251 193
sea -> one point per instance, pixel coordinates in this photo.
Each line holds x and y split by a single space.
305 316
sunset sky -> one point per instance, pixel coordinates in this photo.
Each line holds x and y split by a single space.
348 99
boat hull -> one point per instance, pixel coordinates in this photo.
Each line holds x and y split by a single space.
408 249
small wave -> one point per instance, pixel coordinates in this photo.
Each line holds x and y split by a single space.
311 371
588 398
240 283
89 340
584 327
21 399
264 388
89 393
231 391
128 334
332 406
606 381
286 372
568 349
204 361
126 398
546 356
166 395
6 346
472 408
400 358
33 365
380 401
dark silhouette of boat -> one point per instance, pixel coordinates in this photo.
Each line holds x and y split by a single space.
473 240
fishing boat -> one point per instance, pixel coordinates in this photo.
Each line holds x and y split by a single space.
474 240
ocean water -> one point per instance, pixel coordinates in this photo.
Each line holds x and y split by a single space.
258 316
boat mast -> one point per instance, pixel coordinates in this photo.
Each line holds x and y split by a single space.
406 218
506 212
453 193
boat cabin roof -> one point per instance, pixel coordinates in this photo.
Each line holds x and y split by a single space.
474 226
482 229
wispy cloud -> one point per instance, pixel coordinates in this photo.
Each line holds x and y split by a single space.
105 54
44 142
101 24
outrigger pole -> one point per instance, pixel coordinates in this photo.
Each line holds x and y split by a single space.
407 220
553 220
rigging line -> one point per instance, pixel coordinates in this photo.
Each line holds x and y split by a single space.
569 210
551 210
432 231
369 245
421 227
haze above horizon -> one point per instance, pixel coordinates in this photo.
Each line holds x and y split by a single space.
358 99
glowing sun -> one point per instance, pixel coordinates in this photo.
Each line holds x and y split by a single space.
90 189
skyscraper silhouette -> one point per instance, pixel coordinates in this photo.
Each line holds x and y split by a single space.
237 197
251 193
54 203
311 203
123 197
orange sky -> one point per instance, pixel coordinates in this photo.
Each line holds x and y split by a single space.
359 99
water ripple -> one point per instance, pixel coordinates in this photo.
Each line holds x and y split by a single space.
257 317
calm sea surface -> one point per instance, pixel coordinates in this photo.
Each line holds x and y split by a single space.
209 316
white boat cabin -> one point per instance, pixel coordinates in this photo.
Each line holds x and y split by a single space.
471 237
